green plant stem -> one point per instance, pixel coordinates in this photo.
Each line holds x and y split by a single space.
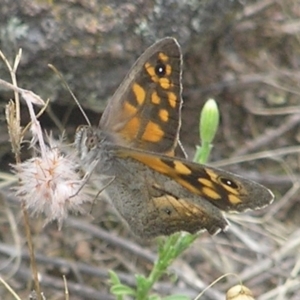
169 250
202 153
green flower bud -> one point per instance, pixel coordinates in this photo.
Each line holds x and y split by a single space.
209 121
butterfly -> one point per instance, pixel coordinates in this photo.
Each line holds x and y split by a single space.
134 147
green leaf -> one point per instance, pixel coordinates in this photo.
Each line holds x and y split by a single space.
141 282
122 290
114 279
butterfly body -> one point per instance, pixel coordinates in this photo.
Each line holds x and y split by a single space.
131 154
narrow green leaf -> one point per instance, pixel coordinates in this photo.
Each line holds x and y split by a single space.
122 290
114 279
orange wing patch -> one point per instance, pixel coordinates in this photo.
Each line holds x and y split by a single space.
172 99
234 199
163 57
181 168
206 182
163 115
152 132
168 70
139 93
151 71
211 193
165 83
155 99
129 109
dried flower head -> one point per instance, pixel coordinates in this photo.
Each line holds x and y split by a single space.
50 184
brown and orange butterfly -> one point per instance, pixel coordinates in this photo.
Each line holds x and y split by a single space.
133 149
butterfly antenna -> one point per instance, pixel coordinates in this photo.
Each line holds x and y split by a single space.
70 91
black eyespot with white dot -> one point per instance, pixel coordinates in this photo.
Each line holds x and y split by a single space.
160 69
229 183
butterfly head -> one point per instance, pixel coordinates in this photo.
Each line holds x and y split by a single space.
87 140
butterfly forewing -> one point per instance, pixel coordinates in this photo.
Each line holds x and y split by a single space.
227 191
144 112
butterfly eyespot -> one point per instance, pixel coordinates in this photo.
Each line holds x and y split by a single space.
229 183
160 69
